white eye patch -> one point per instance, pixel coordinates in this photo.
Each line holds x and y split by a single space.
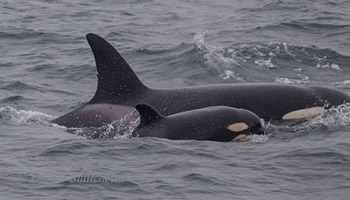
303 113
238 127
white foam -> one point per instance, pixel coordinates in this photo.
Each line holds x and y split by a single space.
199 39
343 84
119 129
334 117
258 138
265 63
335 66
283 80
11 114
328 65
227 74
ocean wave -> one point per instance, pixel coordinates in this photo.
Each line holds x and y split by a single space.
217 58
20 86
274 62
12 99
311 26
28 34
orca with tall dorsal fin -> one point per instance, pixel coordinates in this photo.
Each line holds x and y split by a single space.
119 90
215 123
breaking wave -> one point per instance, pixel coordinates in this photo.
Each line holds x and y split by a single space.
274 61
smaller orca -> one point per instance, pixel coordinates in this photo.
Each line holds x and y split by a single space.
215 123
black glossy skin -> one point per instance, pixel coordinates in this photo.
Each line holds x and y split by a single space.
268 101
119 90
208 123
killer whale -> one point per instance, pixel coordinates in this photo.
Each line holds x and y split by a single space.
119 90
216 123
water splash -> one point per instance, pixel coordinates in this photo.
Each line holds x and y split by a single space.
122 129
343 84
265 63
258 138
303 81
273 62
334 117
10 114
199 40
216 57
119 129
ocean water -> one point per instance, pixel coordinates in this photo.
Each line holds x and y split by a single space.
47 69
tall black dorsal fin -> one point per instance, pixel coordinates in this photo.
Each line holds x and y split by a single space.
116 79
148 114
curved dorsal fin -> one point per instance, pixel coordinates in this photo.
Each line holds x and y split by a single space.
116 79
148 114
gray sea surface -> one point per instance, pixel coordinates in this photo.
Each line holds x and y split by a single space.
47 69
